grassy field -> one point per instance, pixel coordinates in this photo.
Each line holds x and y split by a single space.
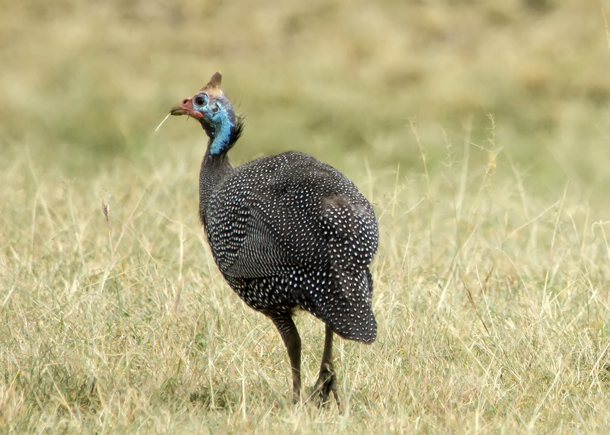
480 130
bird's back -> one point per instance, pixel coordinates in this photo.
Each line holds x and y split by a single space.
302 232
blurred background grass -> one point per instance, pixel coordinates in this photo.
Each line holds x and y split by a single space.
85 83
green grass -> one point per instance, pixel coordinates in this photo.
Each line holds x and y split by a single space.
491 282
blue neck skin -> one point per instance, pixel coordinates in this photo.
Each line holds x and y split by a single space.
222 132
222 127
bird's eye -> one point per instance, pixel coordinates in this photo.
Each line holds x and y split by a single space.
200 100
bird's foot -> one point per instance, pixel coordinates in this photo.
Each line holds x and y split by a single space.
325 385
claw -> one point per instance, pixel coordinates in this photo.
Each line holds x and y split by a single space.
326 383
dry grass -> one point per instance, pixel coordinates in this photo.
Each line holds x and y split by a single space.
492 277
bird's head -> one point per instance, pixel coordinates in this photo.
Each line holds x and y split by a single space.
214 111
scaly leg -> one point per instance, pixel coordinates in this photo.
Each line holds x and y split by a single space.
288 330
327 380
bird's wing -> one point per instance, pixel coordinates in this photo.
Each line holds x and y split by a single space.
260 253
243 241
285 212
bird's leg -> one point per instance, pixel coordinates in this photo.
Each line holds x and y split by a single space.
290 335
327 380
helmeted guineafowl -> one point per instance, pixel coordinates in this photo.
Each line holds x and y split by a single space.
287 232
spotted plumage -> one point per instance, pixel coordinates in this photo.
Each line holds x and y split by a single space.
287 232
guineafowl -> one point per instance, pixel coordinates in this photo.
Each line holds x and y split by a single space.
287 232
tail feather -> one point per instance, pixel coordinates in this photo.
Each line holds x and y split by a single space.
350 314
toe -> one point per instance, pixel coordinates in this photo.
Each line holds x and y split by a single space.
325 385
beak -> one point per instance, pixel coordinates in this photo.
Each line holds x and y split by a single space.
185 107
